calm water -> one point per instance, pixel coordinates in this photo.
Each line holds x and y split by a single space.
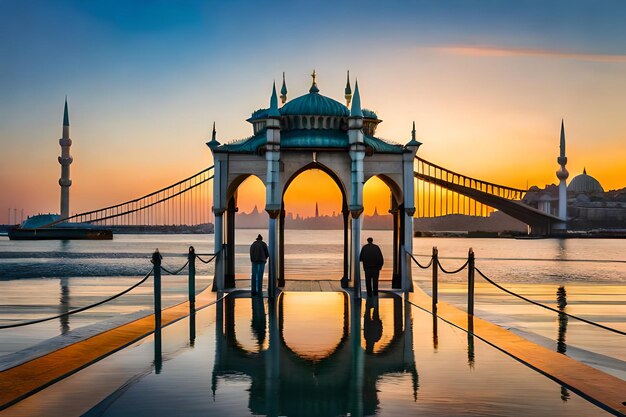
311 354
44 278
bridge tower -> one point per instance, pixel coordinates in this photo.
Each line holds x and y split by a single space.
65 160
562 175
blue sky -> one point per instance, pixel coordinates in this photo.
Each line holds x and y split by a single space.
146 79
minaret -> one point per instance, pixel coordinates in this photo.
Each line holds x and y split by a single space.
348 90
65 160
283 91
562 175
317 211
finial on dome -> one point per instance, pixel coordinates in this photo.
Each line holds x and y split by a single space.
213 143
413 141
356 102
283 91
585 170
314 88
348 90
273 110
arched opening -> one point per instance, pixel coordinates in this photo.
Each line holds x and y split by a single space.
382 221
245 219
314 201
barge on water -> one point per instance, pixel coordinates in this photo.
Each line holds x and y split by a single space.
36 228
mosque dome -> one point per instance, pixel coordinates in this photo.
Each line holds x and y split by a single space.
314 104
584 183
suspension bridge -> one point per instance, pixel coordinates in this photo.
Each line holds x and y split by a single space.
438 192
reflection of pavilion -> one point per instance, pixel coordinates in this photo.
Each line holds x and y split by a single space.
286 382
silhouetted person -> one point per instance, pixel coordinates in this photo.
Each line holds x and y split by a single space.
373 261
258 256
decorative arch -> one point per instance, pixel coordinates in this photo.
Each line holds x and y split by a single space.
344 210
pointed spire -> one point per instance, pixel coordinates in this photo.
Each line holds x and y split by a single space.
283 90
413 141
562 146
348 90
66 116
585 171
213 143
273 110
356 102
314 88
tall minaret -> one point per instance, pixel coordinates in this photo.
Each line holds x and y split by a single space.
562 175
65 160
317 211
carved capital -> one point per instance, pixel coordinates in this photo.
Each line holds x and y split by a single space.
273 213
356 213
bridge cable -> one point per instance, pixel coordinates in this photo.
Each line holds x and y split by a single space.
78 310
548 307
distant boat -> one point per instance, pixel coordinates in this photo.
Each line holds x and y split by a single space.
34 228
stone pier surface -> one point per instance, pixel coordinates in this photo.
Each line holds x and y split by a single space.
32 376
600 388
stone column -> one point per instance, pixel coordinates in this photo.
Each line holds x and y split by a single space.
220 177
229 276
355 244
346 247
408 210
357 155
273 196
396 281
281 248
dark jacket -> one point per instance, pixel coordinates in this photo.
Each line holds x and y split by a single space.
371 256
259 252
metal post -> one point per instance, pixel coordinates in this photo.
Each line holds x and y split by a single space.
156 261
192 274
470 282
435 267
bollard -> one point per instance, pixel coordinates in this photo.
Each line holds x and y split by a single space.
435 266
192 274
156 261
470 282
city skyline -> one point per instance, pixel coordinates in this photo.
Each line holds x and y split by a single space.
145 85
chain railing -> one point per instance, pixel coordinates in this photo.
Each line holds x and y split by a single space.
155 272
436 265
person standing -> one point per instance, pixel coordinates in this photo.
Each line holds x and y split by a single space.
373 261
258 256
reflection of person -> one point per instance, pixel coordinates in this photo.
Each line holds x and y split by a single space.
373 261
258 323
258 256
372 325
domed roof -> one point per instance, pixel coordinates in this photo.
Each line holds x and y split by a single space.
314 104
584 183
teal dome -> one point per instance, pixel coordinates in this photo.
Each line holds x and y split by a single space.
314 104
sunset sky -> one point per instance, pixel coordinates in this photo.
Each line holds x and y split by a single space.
487 83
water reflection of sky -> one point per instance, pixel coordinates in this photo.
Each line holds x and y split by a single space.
309 354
